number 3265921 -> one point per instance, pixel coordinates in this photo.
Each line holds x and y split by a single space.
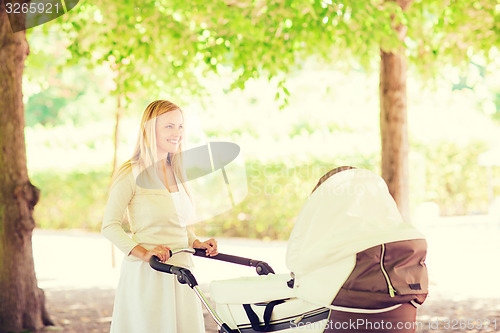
33 8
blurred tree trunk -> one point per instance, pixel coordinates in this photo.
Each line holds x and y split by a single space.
116 137
116 140
22 303
394 122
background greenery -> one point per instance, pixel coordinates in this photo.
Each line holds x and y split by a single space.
276 193
330 120
294 84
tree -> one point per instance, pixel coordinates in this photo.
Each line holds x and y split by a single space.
394 120
22 304
271 38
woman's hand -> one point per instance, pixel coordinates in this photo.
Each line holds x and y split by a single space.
210 246
161 251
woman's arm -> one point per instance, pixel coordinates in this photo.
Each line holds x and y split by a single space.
191 237
120 194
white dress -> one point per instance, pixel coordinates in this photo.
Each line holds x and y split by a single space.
147 300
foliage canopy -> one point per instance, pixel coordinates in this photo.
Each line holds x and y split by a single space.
165 45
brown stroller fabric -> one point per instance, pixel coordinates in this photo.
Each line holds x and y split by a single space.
386 275
400 320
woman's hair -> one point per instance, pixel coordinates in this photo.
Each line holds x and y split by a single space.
145 154
331 173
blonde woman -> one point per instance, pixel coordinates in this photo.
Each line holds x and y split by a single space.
150 187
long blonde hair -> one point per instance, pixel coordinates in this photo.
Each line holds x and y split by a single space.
144 154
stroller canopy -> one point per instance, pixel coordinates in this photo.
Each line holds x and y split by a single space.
350 212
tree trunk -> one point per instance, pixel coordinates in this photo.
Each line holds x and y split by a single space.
116 140
394 128
22 304
116 136
394 122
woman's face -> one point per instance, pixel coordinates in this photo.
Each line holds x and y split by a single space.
169 130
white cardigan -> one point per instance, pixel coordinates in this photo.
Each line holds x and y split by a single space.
156 217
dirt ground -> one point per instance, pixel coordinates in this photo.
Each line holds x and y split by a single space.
90 310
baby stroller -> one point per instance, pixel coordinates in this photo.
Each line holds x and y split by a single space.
352 257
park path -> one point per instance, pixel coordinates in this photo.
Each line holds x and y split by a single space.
75 270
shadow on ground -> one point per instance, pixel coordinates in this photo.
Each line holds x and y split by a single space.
90 310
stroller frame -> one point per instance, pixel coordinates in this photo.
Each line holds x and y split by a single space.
184 276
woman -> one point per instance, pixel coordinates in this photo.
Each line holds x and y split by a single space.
151 188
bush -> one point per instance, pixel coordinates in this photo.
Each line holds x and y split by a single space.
276 193
71 200
454 179
445 173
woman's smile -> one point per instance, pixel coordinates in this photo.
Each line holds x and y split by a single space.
169 131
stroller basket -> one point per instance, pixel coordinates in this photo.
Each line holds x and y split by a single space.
271 308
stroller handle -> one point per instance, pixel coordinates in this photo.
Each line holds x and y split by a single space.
184 275
187 250
261 267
